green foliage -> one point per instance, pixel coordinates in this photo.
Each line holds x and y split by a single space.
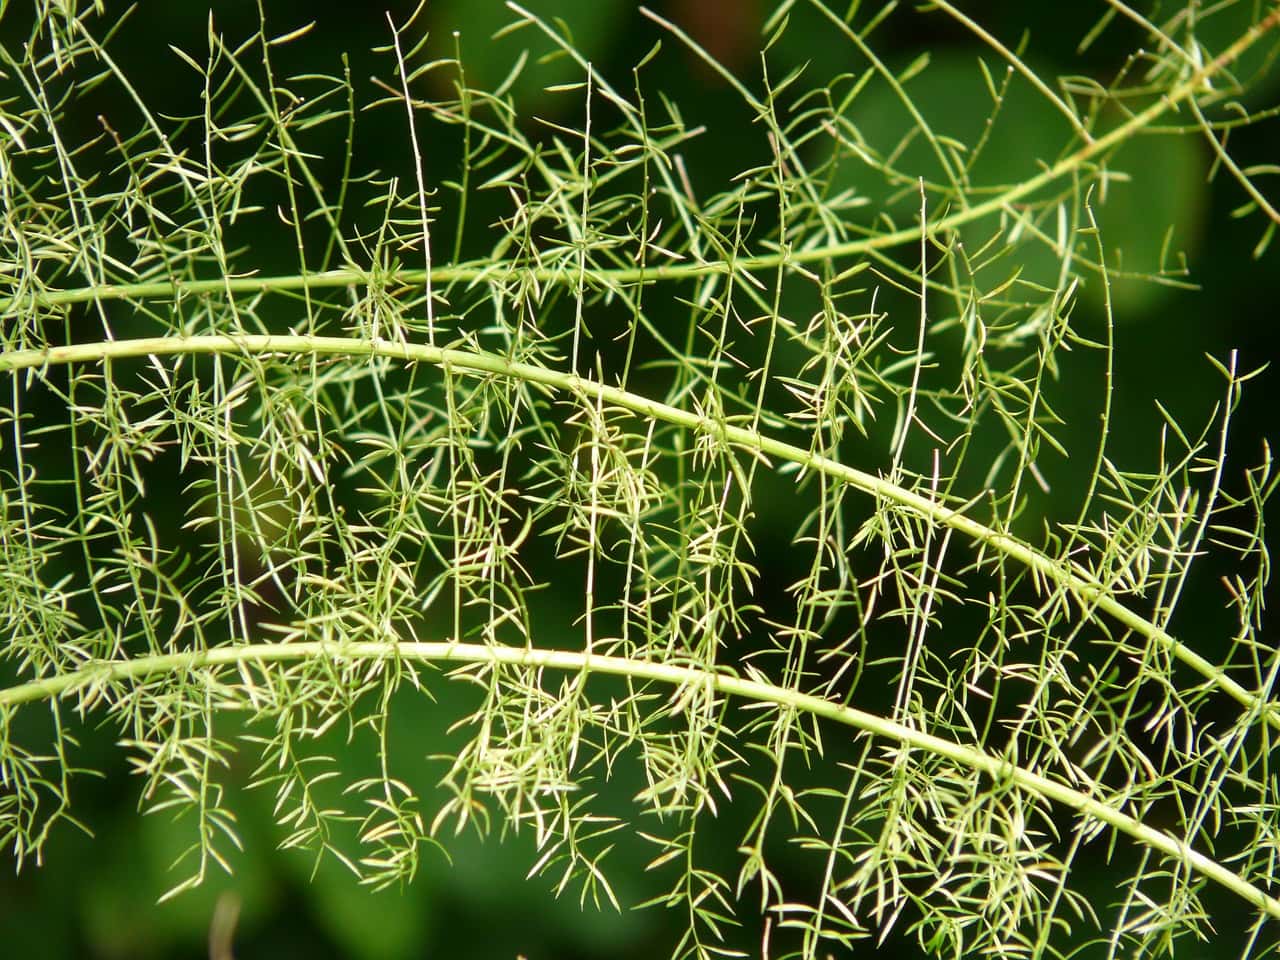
292 452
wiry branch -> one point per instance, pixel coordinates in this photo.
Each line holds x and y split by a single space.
1063 573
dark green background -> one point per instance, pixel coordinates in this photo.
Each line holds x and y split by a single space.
96 898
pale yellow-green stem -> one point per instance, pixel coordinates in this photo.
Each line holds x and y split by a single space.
1000 770
1070 576
472 272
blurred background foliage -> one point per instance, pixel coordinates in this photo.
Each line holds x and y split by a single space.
96 898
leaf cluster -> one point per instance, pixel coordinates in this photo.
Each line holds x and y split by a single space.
286 443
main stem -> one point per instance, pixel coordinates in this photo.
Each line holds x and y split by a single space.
1001 771
1067 575
467 273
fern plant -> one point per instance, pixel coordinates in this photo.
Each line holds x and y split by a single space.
692 507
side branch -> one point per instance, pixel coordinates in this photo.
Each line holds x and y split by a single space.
477 272
96 676
1066 574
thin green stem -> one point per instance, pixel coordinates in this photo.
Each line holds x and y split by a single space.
1000 770
1065 574
470 272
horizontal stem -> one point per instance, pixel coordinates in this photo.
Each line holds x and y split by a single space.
1067 575
468 273
1000 770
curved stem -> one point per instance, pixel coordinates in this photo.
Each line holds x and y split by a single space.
1000 770
468 273
1068 575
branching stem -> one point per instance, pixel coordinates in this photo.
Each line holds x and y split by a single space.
1000 770
650 272
1070 576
